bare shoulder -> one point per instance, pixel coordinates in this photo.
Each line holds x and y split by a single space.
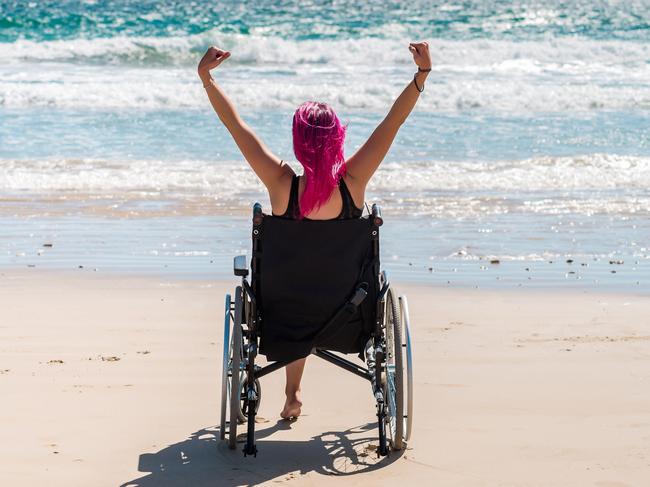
279 192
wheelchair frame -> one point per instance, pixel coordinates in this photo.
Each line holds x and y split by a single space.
388 355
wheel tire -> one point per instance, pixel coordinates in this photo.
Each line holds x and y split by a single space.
395 368
406 329
225 372
236 359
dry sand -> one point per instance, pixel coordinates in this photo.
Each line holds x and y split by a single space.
109 381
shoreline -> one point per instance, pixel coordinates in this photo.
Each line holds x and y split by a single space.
602 277
492 253
21 274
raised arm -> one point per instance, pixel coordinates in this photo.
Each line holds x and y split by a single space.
363 164
268 167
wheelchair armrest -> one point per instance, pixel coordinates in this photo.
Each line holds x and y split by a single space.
240 267
383 278
384 283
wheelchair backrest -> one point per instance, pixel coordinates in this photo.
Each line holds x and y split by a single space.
304 270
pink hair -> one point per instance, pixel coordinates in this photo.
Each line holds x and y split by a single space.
318 138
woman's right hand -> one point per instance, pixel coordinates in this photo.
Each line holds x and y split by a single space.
421 56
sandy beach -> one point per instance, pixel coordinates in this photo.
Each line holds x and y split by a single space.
111 381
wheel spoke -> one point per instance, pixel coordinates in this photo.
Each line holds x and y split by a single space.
392 406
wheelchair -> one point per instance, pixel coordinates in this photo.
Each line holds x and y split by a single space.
316 288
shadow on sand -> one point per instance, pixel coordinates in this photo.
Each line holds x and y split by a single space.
203 459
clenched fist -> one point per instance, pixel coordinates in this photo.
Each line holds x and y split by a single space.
421 56
211 59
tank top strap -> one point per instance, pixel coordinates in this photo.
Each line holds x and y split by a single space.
348 209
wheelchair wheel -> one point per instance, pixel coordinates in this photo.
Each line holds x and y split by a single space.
394 373
225 372
235 368
235 379
406 329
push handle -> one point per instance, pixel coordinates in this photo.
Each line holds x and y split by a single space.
376 215
258 216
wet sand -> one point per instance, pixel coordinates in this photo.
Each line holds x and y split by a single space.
115 381
434 252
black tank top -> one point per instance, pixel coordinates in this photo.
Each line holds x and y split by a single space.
348 210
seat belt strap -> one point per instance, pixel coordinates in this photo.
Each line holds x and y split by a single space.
342 316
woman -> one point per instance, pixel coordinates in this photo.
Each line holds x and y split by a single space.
318 138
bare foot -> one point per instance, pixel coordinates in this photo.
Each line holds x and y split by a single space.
291 407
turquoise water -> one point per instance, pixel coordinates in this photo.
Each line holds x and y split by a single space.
531 142
50 20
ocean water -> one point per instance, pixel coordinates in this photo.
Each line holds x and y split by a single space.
530 144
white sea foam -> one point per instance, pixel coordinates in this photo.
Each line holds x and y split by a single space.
272 72
546 173
370 51
94 87
577 173
588 184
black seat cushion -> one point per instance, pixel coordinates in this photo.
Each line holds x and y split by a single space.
306 271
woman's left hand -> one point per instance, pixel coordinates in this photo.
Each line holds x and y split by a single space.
211 59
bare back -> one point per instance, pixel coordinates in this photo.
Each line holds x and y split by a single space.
331 209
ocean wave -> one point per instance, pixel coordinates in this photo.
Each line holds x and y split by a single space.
187 50
543 173
258 49
589 184
574 173
171 88
273 72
